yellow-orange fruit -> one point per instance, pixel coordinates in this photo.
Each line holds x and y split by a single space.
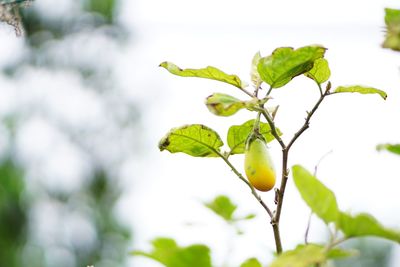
258 165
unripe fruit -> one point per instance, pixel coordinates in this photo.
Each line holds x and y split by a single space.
258 164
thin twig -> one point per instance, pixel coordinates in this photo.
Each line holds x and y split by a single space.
320 160
246 92
271 123
269 91
257 88
335 243
309 115
308 228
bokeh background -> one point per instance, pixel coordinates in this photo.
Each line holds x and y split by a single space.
83 106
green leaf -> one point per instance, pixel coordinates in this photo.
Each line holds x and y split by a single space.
223 207
365 225
320 72
168 253
237 135
163 250
310 254
195 140
252 262
361 90
285 63
394 148
249 216
338 253
392 37
318 197
392 16
302 256
194 256
255 76
104 7
226 105
209 72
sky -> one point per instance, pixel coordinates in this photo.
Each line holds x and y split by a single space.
164 197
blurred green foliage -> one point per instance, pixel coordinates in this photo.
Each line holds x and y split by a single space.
392 37
96 200
373 253
167 252
106 8
13 213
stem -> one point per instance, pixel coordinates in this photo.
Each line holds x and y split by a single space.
285 174
272 126
246 92
285 157
277 236
309 115
308 228
257 88
334 243
269 91
281 191
320 88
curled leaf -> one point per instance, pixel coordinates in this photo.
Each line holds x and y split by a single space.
361 90
255 76
223 104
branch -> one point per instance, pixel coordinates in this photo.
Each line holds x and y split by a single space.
246 92
309 115
308 228
271 123
285 171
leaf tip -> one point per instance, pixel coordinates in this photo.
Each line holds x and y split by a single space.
164 143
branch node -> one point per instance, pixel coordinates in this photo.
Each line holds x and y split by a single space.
276 200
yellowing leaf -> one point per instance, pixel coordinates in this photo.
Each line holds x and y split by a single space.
392 36
195 140
223 104
207 73
255 76
302 256
361 90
